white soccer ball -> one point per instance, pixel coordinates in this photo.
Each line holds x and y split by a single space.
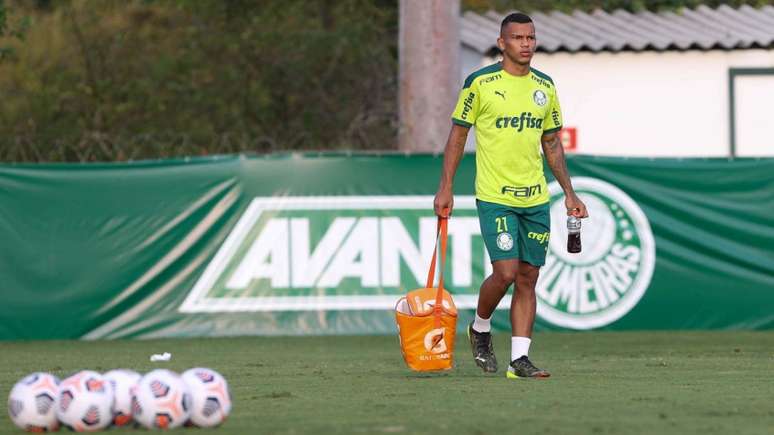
85 402
210 396
123 381
161 400
32 403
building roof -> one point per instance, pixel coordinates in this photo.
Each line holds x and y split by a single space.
702 28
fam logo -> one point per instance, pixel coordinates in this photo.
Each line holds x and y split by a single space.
609 277
539 97
490 79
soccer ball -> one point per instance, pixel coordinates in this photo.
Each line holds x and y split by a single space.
85 402
210 397
124 382
32 401
161 400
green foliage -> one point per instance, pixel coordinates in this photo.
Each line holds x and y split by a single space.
116 79
608 5
85 80
9 31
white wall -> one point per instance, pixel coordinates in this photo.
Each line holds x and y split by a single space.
658 103
754 96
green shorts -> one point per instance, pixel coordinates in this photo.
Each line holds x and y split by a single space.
515 232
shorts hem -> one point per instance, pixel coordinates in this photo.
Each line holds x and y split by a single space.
516 257
519 207
505 257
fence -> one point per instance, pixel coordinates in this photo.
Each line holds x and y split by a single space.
324 245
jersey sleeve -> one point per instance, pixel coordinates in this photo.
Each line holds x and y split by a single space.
553 119
466 111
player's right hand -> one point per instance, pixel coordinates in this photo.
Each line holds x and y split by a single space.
443 203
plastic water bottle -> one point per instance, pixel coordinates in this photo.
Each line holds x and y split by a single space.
573 235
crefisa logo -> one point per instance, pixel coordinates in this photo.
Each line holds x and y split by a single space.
611 274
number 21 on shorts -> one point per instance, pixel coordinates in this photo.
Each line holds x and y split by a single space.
502 224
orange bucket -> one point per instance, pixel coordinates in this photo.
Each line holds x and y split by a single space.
427 318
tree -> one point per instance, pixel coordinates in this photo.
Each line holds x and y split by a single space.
134 79
8 31
3 21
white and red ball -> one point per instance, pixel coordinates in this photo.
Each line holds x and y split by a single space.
32 403
124 381
210 396
85 402
161 400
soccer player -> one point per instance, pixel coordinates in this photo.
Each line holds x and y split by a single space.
514 108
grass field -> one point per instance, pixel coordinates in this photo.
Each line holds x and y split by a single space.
602 383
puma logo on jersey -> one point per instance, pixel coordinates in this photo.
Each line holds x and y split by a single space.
502 94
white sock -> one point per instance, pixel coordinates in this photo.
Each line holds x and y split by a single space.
482 325
519 347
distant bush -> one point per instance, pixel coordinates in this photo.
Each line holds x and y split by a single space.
118 79
86 80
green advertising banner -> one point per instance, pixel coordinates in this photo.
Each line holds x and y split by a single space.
286 245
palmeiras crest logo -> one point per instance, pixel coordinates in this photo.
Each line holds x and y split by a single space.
539 97
611 274
504 241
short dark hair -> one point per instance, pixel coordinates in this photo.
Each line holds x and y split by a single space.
516 17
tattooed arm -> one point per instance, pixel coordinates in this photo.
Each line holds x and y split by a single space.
554 152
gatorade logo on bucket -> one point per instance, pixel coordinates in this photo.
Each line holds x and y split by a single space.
434 342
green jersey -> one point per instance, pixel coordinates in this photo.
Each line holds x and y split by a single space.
510 113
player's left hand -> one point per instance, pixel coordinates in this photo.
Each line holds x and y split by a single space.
575 206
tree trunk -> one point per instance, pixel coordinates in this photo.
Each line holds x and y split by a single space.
429 72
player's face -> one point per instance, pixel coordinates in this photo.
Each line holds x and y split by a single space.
517 42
